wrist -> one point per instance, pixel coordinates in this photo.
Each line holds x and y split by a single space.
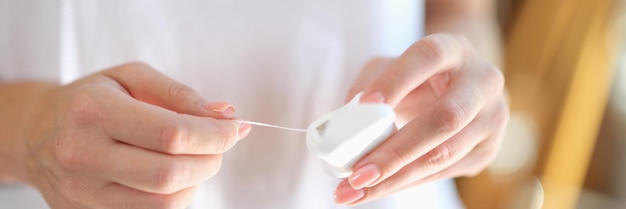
21 115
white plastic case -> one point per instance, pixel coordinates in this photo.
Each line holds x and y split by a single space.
342 137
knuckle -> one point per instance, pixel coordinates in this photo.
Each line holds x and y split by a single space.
81 106
174 138
449 117
496 78
443 154
433 47
68 159
167 178
135 68
180 92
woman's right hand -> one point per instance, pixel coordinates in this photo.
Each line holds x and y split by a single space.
127 137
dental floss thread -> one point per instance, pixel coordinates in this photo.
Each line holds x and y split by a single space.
272 126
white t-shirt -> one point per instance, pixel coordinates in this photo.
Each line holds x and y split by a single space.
278 61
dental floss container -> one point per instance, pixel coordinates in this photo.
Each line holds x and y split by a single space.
342 137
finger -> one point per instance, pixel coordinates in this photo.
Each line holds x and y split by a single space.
219 110
439 122
432 162
452 150
481 156
425 58
414 104
146 84
472 164
446 117
158 129
122 197
345 194
457 169
421 98
154 172
445 154
370 71
431 167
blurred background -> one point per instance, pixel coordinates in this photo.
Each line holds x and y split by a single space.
565 146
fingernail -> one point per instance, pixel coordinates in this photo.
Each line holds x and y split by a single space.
225 109
364 176
345 195
244 130
374 97
230 110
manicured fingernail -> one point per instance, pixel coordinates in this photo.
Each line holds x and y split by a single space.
244 130
374 97
346 195
229 112
225 109
364 176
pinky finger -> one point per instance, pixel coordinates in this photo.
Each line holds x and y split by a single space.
483 154
471 165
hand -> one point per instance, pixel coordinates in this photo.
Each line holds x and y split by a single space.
127 137
451 116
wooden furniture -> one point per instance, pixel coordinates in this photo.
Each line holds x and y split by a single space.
558 69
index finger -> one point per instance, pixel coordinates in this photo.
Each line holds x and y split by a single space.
146 84
425 58
158 129
475 85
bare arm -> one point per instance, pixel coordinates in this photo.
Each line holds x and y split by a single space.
18 103
125 137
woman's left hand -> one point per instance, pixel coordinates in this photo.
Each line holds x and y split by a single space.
451 116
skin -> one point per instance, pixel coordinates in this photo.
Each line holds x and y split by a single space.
78 147
449 99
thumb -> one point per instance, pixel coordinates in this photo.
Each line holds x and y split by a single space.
146 84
